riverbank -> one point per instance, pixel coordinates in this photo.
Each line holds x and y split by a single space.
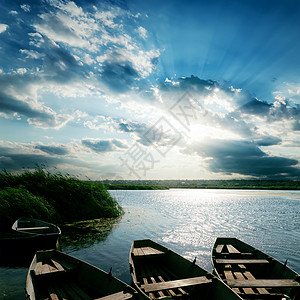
52 197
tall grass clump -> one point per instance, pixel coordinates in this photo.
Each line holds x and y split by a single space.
16 202
56 197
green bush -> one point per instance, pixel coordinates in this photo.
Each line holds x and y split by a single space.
15 203
58 197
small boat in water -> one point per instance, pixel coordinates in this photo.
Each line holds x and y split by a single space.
159 273
41 234
55 275
26 237
251 273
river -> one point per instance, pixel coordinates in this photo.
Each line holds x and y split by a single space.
185 220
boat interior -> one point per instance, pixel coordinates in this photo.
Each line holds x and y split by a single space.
158 278
246 272
58 279
34 227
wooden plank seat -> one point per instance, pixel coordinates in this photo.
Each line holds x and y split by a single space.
249 276
116 296
219 248
241 261
232 249
232 275
242 273
263 283
239 276
227 249
168 275
52 268
43 269
152 287
145 281
229 276
151 275
155 274
142 251
32 228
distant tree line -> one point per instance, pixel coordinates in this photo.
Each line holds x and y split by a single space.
203 184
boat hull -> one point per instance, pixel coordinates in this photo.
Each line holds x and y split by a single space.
252 273
158 272
26 237
55 274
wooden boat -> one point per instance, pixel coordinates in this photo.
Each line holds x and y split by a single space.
159 273
26 237
251 273
55 275
41 234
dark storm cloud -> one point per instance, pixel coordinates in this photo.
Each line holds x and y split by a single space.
54 23
61 67
37 115
15 162
129 126
267 141
192 83
103 146
241 101
244 158
256 107
279 111
136 129
119 76
52 150
9 105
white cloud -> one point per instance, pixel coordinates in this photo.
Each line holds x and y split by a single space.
94 125
36 39
107 18
31 54
13 12
21 71
142 61
173 82
3 27
26 7
142 32
289 91
88 60
60 28
69 7
80 114
104 145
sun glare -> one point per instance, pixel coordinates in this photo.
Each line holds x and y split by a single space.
199 131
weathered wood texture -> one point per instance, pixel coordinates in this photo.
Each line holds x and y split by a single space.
241 261
146 251
116 296
271 283
175 284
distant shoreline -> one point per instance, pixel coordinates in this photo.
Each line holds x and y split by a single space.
199 188
202 184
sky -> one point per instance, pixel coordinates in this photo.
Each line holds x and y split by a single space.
151 89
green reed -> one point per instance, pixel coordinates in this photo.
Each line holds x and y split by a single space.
52 197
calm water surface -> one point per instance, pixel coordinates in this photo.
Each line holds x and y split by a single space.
188 222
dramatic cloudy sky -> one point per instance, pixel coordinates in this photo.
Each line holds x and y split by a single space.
151 89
